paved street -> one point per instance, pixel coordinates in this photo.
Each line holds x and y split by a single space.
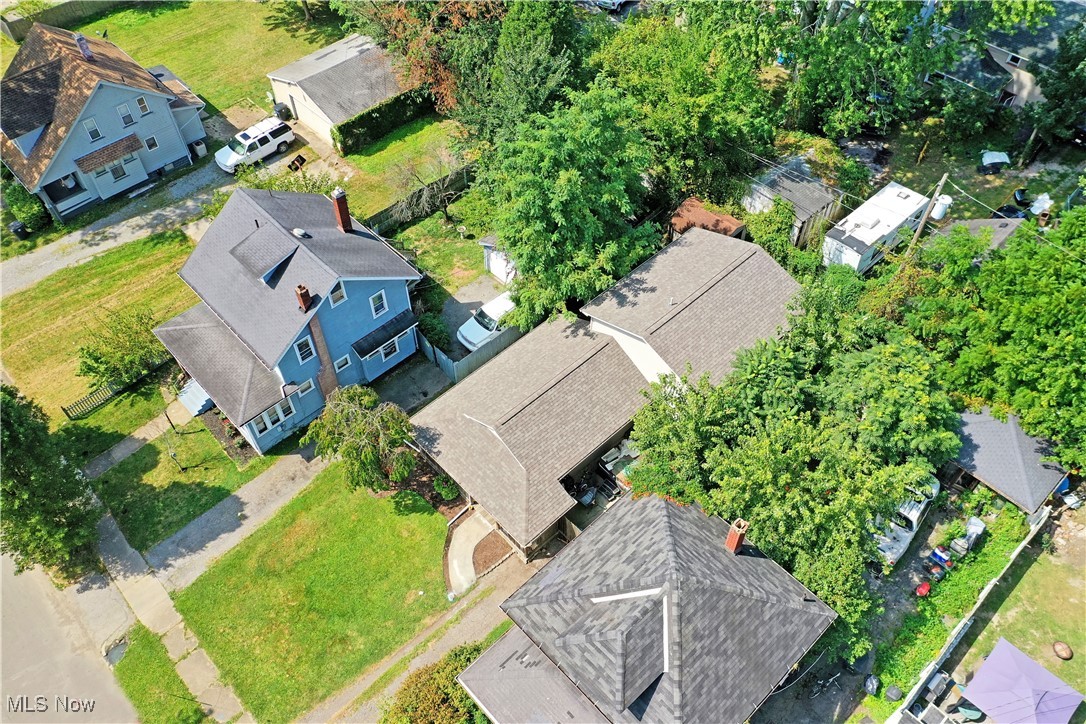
46 651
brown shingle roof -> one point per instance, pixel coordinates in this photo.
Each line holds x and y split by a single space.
692 213
108 154
50 76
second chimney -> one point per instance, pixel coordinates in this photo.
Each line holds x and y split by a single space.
304 297
343 214
736 534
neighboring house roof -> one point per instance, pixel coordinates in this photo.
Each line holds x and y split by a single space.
108 154
241 385
977 69
48 83
878 218
511 430
1007 460
793 182
1001 229
251 241
672 628
700 300
1041 44
692 213
345 78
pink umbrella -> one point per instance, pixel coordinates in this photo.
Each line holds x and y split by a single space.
1011 687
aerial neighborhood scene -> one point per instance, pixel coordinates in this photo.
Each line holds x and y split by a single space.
540 361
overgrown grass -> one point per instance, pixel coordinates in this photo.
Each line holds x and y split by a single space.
380 168
331 585
153 497
44 326
196 39
151 683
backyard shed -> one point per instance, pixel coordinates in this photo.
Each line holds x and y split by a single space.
693 213
336 83
812 201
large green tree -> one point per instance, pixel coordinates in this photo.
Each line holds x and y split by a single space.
49 515
1064 87
123 348
564 193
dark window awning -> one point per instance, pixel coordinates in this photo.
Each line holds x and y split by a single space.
108 154
380 336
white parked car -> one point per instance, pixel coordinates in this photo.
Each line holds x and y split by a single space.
485 324
611 5
895 536
254 144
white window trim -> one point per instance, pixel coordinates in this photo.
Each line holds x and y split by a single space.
347 358
384 302
126 112
147 142
280 409
143 100
395 341
91 123
124 171
298 352
1015 61
331 295
303 390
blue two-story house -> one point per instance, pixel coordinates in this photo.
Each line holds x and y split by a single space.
297 299
82 121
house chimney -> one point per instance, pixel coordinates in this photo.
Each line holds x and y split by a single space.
304 298
343 214
736 534
84 47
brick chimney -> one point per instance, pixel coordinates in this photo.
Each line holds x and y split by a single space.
84 47
736 534
304 298
343 214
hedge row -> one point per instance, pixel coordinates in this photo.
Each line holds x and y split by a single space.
356 133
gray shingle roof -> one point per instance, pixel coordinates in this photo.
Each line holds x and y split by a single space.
235 379
792 181
977 69
1008 460
673 628
700 300
346 78
1041 44
251 235
378 337
511 430
1001 229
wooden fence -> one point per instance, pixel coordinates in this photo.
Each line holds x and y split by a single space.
61 15
99 397
384 222
457 370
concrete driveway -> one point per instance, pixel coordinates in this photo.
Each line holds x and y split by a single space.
463 303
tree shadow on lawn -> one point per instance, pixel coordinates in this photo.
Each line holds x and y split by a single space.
289 17
408 502
83 439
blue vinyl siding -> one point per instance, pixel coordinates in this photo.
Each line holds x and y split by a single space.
306 409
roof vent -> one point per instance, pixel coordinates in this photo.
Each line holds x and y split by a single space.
84 47
300 233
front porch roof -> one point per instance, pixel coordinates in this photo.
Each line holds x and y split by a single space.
233 377
380 336
108 154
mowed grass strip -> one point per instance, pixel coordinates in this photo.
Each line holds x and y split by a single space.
222 50
379 170
333 584
152 496
44 326
446 256
151 683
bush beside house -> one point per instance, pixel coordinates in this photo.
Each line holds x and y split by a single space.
26 207
432 693
354 134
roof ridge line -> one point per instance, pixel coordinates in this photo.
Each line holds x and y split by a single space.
8 79
531 397
700 291
755 595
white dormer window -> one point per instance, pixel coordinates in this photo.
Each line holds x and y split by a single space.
338 294
125 114
141 103
378 304
92 129
304 349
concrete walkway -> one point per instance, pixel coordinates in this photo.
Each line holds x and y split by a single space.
155 610
180 559
479 614
461 551
131 444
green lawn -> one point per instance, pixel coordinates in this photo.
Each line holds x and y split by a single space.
333 584
379 175
196 39
151 683
1058 176
44 326
152 499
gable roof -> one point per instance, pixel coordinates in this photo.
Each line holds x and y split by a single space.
345 78
700 300
1007 460
251 240
48 83
511 430
693 212
674 628
792 181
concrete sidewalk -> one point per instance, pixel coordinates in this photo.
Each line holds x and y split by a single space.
155 610
180 559
131 444
461 553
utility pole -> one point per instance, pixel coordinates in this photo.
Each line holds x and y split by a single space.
927 213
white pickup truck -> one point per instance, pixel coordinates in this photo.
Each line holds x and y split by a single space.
895 535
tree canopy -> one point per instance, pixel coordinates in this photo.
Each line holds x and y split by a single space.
124 347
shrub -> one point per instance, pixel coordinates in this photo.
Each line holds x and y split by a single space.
965 112
354 134
26 207
432 694
123 349
433 327
446 488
